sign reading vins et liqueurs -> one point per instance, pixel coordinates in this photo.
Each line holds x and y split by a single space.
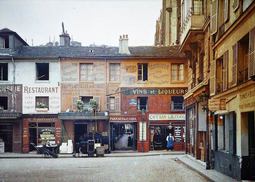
154 91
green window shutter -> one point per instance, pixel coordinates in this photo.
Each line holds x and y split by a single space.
214 16
212 78
225 71
251 59
234 65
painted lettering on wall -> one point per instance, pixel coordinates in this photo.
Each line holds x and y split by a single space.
29 90
156 91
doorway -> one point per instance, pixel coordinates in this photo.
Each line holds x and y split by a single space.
6 131
79 131
251 143
123 136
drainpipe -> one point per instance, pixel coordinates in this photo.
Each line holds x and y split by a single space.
13 89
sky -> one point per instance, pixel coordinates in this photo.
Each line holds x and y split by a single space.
99 22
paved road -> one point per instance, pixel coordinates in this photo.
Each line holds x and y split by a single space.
127 169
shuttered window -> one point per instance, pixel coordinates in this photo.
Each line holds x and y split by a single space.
225 71
226 10
234 65
214 16
86 72
251 60
212 77
235 4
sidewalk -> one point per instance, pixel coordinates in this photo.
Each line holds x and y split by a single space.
200 167
112 154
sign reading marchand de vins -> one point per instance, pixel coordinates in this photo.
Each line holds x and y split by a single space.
154 91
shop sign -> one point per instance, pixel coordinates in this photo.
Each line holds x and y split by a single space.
47 134
247 100
10 88
159 117
123 119
155 91
217 104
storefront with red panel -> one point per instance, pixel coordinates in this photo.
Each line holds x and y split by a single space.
160 125
39 129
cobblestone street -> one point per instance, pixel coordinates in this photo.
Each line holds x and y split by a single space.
149 168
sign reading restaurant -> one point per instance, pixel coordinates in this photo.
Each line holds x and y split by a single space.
160 117
154 91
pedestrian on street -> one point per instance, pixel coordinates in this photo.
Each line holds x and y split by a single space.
170 142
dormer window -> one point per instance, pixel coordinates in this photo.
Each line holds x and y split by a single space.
42 71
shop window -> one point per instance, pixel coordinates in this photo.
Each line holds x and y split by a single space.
177 72
42 102
142 103
226 133
3 103
114 72
3 71
177 103
86 72
142 72
42 71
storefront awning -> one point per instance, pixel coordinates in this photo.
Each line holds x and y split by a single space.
83 116
10 115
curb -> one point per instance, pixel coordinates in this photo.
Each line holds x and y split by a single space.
197 171
85 156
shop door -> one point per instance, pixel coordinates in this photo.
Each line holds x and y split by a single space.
251 123
123 136
6 131
80 130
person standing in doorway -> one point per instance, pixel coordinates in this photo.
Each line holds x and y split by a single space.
170 142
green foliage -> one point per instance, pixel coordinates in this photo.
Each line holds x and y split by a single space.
80 105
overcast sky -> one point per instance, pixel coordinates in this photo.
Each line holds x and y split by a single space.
87 21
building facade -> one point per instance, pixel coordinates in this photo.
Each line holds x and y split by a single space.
232 88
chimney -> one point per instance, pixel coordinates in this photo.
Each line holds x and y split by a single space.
64 37
123 45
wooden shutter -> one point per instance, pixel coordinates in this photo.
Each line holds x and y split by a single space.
117 104
225 71
235 4
212 77
251 59
226 10
214 16
108 103
234 65
98 102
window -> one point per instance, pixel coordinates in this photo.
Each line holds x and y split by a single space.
114 72
226 132
112 103
142 72
251 63
42 71
41 102
177 103
3 103
222 73
86 72
243 52
177 72
142 103
197 7
85 100
3 71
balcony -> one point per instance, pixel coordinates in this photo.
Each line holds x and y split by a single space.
192 24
